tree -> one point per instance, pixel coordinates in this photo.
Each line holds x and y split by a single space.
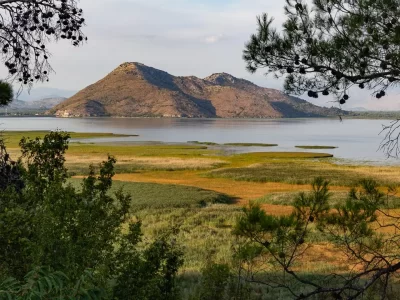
27 26
363 230
331 46
6 93
47 222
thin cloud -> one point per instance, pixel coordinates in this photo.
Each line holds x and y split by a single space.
214 39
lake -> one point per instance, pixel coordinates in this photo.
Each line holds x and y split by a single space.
358 140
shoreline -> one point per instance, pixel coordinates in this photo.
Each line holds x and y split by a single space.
383 117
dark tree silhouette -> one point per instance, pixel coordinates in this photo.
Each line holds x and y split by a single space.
6 93
330 46
27 26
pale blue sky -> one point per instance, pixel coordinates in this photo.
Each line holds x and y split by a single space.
182 37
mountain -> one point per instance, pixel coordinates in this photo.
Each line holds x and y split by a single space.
36 94
360 109
38 106
136 90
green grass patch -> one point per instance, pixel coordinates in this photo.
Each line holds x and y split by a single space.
316 147
203 143
257 157
283 155
141 150
251 145
160 196
129 168
12 138
204 232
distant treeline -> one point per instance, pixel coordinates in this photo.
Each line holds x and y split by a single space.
375 115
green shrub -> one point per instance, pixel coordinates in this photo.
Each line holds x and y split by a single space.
47 222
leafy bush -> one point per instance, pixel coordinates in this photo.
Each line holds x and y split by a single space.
46 222
215 279
43 284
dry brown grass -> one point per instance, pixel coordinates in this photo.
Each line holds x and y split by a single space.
323 257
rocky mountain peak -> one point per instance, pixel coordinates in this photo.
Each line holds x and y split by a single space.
222 79
143 72
225 79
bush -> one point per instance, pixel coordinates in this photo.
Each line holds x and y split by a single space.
215 279
46 222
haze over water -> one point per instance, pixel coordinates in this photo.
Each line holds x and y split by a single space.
358 140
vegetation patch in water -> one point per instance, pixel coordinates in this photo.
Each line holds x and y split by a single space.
12 138
316 147
251 145
203 143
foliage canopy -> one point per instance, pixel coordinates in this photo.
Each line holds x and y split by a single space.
329 46
27 27
55 237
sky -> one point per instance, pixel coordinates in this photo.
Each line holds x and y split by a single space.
182 37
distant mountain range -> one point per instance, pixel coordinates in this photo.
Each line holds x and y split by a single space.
40 93
136 90
31 107
361 109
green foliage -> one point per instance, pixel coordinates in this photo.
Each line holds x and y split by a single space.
43 284
6 93
152 275
45 160
215 279
329 46
10 172
50 223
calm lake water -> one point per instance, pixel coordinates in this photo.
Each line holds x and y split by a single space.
357 140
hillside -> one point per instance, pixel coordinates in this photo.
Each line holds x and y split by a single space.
136 90
31 107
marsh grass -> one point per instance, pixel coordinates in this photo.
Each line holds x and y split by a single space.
159 196
203 143
204 232
251 145
247 159
287 198
304 171
78 165
316 147
205 217
12 138
141 150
